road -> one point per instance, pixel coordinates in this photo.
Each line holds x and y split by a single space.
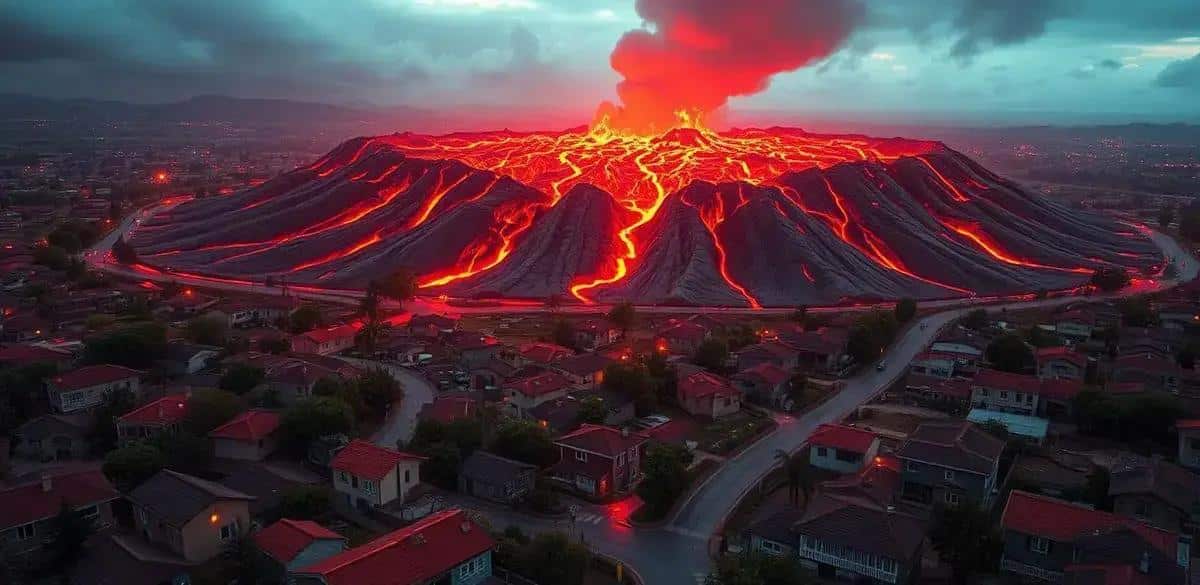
677 554
402 421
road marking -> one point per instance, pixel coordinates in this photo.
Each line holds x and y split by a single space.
687 533
589 519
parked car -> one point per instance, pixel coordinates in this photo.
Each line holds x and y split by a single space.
652 421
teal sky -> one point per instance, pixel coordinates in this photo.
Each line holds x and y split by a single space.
1027 61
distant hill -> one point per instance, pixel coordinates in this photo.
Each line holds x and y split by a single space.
207 108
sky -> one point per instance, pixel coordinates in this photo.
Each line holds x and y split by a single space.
1028 61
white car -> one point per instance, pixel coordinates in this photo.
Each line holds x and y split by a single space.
653 421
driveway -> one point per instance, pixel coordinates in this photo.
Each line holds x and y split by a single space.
402 421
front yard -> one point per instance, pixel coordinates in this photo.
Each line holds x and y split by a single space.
733 432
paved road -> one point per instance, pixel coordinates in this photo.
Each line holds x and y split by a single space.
401 422
677 554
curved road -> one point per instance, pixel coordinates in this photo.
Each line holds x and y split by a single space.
677 554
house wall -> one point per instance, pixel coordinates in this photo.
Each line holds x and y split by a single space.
522 403
243 450
1017 550
1005 400
474 571
46 449
90 397
1149 509
1189 448
771 547
12 543
971 485
836 459
202 538
1060 369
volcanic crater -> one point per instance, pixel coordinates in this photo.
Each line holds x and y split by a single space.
748 218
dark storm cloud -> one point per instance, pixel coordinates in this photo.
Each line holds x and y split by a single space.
997 23
1183 74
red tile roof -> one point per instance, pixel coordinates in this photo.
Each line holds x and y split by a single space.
540 384
167 410
23 354
251 425
702 384
332 333
287 538
544 353
29 502
767 372
601 440
447 409
369 461
685 331
89 376
413 554
1061 353
843 437
1064 522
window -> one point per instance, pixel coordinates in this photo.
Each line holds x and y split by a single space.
912 466
90 513
580 456
952 498
1003 395
770 547
368 486
25 531
1039 545
342 476
229 531
620 459
822 452
407 475
847 456
948 474
1141 509
354 481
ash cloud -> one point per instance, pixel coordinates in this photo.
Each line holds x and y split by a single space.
1182 74
998 23
697 54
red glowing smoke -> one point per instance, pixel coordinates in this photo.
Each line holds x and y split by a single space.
700 53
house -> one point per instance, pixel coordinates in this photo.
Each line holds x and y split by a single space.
966 350
1022 394
257 311
1055 541
1156 492
1181 316
766 384
708 395
15 355
952 395
194 518
1058 474
1060 363
561 415
852 529
250 436
53 437
526 393
774 352
820 350
449 407
1155 342
1157 373
950 462
584 370
27 510
293 544
1189 442
294 381
87 387
591 334
161 416
542 353
600 461
368 476
1075 325
473 348
325 341
492 477
682 337
432 326
444 547
841 448
937 365
184 358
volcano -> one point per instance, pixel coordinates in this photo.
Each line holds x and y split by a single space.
752 218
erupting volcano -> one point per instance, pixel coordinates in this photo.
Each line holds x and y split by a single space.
774 217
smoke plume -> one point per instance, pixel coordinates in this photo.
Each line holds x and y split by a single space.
699 53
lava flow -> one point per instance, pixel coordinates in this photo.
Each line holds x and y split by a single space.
598 214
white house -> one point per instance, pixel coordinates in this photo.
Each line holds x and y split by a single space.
367 476
250 436
841 448
87 387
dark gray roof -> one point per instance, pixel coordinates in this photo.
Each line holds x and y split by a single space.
1125 547
255 480
777 527
957 444
493 468
583 364
177 498
864 525
48 425
1170 483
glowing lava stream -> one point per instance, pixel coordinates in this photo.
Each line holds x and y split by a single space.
969 232
712 217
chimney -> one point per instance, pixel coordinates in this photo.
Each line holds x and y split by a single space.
47 483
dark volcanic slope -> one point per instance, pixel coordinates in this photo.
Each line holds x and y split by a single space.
933 225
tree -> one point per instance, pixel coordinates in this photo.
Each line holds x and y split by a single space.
553 558
379 390
632 380
304 502
563 333
711 355
1110 278
103 435
906 309
525 441
799 316
275 345
1186 356
964 537
71 529
368 336
1137 312
208 409
124 253
305 318
1038 337
623 315
20 390
400 285
799 475
133 346
975 320
1166 215
241 378
127 467
665 478
207 330
185 452
592 410
750 568
51 257
1189 222
441 464
316 417
1009 353
870 335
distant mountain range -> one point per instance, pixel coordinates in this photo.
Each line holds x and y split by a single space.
206 108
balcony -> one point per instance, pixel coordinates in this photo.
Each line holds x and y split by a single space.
841 563
1028 570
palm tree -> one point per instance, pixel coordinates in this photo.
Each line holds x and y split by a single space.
799 477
